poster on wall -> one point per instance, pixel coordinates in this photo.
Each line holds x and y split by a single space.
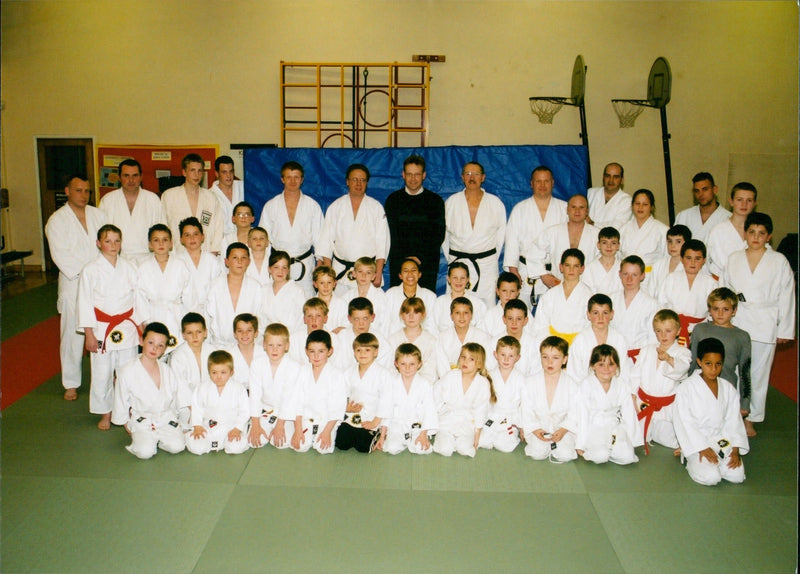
157 161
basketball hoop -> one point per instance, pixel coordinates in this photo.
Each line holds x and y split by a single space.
628 110
546 108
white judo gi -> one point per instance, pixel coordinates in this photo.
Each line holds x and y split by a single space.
478 246
71 247
394 299
501 426
337 313
150 412
237 196
220 310
202 276
165 296
218 414
608 430
562 316
448 348
524 226
704 421
654 279
346 236
372 391
723 240
270 392
210 213
766 311
107 304
614 213
441 311
147 211
189 374
318 402
654 382
460 413
285 306
580 352
648 241
241 368
426 343
600 280
413 412
635 320
261 275
692 219
690 303
299 238
554 241
562 412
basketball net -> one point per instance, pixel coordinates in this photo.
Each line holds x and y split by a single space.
627 111
545 109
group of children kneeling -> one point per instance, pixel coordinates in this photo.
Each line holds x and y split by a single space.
600 417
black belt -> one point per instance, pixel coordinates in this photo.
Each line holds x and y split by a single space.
299 259
348 265
473 258
547 266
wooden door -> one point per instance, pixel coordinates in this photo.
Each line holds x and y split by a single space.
58 159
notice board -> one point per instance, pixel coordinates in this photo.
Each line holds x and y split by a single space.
156 160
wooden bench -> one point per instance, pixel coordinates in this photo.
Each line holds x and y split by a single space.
11 256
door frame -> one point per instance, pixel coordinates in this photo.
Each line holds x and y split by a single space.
91 171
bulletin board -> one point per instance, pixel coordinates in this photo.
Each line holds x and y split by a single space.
156 160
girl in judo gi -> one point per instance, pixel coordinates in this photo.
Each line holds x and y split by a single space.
608 425
462 398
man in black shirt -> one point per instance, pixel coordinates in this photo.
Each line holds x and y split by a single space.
416 224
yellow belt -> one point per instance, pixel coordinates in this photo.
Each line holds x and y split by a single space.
568 337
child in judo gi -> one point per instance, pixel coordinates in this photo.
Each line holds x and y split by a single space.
707 420
272 375
654 378
109 317
413 420
462 402
146 398
219 410
549 407
368 397
608 429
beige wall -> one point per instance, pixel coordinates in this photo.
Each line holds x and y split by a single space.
184 72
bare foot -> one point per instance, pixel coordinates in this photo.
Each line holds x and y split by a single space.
749 428
676 452
105 422
71 395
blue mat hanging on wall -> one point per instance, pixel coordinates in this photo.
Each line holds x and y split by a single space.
508 170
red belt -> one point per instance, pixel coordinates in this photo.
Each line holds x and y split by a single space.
633 353
113 321
683 334
651 405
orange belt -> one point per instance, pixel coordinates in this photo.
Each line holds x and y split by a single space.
651 405
683 334
113 321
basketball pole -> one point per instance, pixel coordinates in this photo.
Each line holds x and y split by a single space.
667 164
585 139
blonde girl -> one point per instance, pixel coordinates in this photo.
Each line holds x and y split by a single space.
462 401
